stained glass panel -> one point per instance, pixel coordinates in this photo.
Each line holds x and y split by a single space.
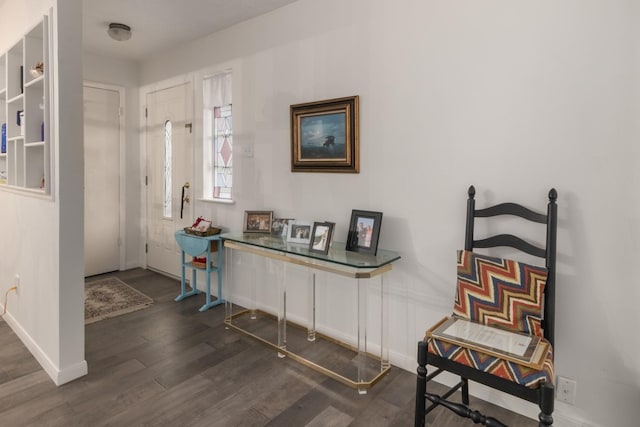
223 152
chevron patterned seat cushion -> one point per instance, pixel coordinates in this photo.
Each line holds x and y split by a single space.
506 369
500 292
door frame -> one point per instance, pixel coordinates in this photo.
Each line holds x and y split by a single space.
144 91
122 209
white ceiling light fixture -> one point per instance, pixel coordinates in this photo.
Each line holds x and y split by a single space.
119 32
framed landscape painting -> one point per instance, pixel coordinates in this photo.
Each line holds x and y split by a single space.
324 136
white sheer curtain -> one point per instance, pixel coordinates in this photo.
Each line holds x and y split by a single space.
216 92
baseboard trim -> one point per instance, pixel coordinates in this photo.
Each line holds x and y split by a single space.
72 372
57 375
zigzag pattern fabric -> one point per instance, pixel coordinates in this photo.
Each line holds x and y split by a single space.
500 292
502 368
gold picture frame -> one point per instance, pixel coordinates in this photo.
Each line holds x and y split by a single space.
325 136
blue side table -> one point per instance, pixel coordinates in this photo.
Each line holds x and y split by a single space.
195 246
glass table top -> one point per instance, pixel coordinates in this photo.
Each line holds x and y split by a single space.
337 253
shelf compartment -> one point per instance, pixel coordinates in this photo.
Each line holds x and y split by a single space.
33 51
15 162
15 71
34 166
3 76
34 113
14 106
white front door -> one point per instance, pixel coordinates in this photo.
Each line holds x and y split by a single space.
169 171
101 180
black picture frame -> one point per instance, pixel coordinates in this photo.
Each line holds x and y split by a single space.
364 231
325 136
321 235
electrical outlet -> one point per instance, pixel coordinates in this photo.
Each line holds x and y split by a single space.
566 391
16 282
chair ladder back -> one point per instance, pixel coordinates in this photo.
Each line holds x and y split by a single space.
548 253
550 288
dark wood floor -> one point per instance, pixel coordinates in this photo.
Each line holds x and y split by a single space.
172 365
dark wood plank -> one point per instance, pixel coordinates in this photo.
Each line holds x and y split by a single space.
171 365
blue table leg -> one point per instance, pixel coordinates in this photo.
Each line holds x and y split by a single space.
183 286
208 304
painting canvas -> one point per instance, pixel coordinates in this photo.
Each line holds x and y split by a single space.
323 136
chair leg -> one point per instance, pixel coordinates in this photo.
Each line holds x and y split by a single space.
463 411
546 405
421 384
465 390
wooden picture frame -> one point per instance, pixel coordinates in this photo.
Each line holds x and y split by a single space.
364 231
325 136
257 221
321 237
299 232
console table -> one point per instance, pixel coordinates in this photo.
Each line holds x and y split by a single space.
365 273
196 245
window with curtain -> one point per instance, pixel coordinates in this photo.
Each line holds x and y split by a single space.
218 137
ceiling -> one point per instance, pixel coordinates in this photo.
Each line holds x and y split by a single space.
162 24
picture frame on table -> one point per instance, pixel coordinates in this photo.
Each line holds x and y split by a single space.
299 232
321 235
325 136
280 226
257 221
364 231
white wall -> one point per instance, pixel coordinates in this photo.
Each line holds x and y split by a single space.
513 97
123 73
40 238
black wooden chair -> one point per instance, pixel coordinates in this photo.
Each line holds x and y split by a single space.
500 293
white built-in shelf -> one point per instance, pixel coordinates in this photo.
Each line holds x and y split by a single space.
34 144
37 81
26 164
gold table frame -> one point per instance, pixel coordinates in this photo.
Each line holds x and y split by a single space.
360 267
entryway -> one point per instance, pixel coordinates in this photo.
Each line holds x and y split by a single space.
169 173
103 208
